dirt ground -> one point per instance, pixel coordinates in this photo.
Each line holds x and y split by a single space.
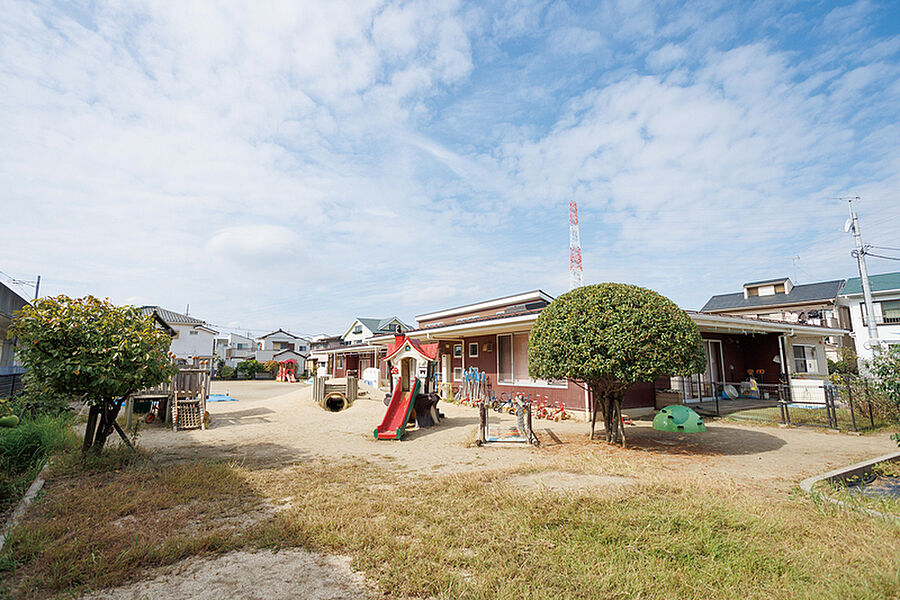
275 424
250 576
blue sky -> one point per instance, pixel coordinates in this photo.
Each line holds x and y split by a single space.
299 164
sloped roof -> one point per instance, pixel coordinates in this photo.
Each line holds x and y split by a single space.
523 298
765 281
807 292
879 283
428 351
380 325
279 330
171 317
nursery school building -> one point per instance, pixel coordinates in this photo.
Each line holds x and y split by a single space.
492 336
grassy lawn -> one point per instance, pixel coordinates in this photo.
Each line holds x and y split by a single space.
812 416
23 450
455 536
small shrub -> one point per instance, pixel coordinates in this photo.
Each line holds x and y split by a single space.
227 372
249 368
885 369
271 366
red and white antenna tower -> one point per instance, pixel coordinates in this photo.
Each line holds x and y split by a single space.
575 271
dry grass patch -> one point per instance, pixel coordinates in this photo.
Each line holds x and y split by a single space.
95 528
471 536
460 536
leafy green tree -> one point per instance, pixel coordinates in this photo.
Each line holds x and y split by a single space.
94 350
611 336
250 368
885 369
271 366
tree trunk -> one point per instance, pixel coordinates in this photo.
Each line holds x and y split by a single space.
90 427
595 406
109 410
608 402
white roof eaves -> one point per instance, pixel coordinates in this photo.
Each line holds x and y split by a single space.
487 304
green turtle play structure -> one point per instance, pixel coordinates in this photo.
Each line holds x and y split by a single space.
678 419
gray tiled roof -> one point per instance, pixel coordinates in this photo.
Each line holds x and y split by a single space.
380 325
170 316
807 292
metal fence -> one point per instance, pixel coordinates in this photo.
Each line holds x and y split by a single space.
850 405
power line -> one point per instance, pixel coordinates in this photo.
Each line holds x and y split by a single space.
882 256
884 247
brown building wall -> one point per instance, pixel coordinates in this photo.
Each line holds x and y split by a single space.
462 317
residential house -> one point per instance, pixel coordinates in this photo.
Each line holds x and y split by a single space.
278 342
355 353
318 355
234 348
193 340
492 336
781 300
886 300
10 302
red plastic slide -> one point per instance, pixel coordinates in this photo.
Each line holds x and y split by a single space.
397 416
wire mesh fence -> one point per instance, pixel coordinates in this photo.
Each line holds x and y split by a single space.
849 404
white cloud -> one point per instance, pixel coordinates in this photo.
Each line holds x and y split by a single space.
391 157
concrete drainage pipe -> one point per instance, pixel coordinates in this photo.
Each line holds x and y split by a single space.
335 402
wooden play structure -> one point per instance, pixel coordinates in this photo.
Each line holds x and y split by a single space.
413 397
335 395
181 401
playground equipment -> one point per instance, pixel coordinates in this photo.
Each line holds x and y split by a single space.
521 434
412 397
678 419
335 396
287 371
474 388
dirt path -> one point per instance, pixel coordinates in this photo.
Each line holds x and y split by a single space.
262 575
276 423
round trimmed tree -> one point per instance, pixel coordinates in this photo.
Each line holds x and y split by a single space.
610 336
95 350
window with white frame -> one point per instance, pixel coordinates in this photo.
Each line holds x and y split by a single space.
457 374
357 329
890 311
473 349
195 333
512 362
340 362
457 351
805 359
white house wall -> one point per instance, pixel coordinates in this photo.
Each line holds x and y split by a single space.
887 334
186 346
808 387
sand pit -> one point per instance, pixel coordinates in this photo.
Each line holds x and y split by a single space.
262 575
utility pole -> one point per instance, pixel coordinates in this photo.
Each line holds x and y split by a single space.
37 287
860 254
